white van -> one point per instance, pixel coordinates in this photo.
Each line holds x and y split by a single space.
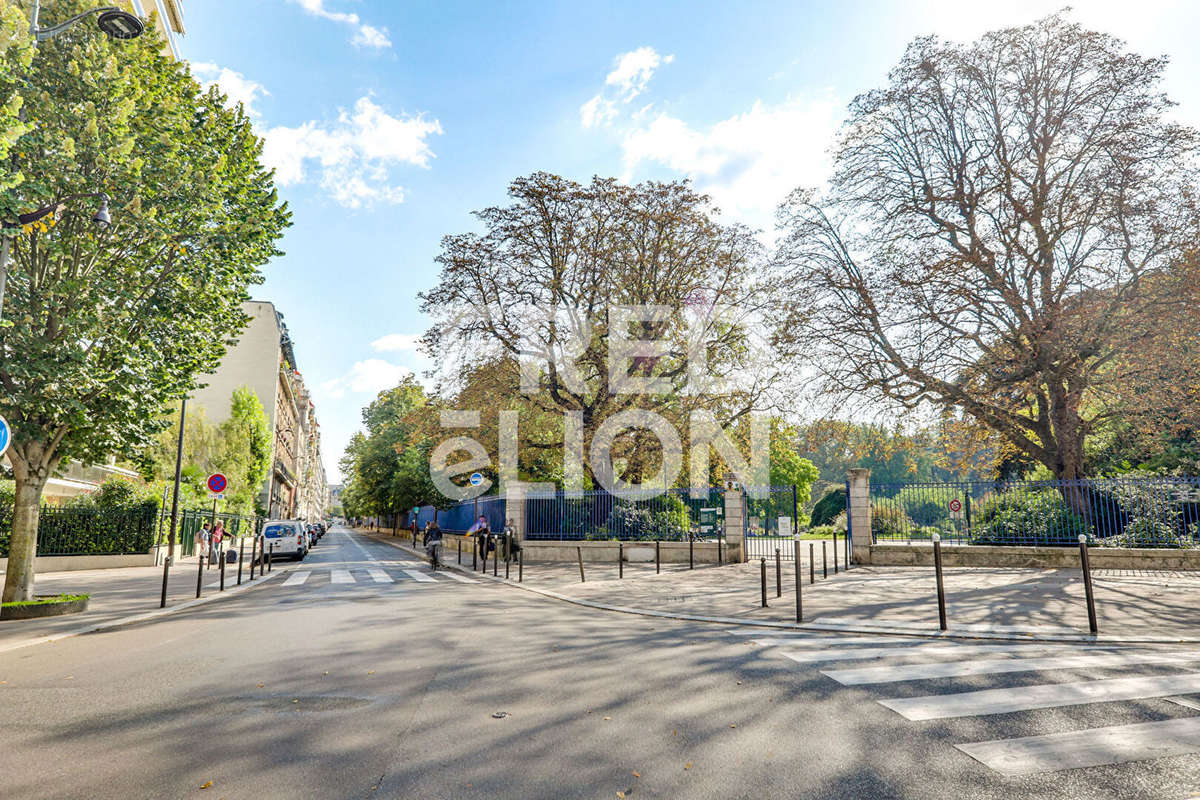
288 538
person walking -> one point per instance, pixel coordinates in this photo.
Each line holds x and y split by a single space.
203 539
218 536
482 536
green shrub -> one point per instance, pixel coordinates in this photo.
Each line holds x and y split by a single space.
927 505
828 507
1026 517
888 519
1147 532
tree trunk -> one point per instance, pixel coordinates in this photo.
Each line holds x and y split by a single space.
1068 456
30 481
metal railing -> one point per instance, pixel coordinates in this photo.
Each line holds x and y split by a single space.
765 507
675 515
1112 512
68 531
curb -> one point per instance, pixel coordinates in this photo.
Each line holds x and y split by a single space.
145 616
864 628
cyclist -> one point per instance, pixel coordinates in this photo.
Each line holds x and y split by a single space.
433 544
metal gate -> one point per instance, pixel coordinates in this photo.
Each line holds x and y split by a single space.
770 522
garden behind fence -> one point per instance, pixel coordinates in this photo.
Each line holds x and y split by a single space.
1110 512
69 531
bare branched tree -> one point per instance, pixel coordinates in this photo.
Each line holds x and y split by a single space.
1005 230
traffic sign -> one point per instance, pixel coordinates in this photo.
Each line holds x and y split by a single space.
956 508
476 478
217 485
5 435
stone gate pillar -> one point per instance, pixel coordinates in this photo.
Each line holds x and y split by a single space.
735 516
858 514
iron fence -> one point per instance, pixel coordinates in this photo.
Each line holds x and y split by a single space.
1113 512
674 515
68 531
770 522
191 520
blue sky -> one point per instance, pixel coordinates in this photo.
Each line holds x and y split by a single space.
389 122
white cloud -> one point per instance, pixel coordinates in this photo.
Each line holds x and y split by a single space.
748 162
634 69
236 86
630 74
364 36
397 342
367 377
354 155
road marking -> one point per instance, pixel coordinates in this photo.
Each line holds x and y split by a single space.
958 669
341 576
1088 748
297 579
456 577
919 649
418 575
379 576
1049 695
825 641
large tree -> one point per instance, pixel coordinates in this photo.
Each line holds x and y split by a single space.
110 326
544 285
1004 234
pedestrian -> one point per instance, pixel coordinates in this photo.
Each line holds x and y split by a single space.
218 536
511 545
203 537
433 544
482 536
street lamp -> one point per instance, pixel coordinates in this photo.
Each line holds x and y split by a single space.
101 218
113 21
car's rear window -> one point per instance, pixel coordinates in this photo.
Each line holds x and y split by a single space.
275 531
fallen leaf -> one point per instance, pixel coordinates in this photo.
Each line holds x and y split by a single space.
608 718
733 726
206 785
260 686
675 733
621 794
687 765
295 700
371 672
326 672
636 774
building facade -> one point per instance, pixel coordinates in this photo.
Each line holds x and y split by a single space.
168 20
264 360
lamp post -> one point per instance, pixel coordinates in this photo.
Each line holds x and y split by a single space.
113 21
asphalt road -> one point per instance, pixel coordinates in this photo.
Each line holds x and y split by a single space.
358 680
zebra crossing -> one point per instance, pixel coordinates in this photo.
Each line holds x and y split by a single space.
364 576
896 661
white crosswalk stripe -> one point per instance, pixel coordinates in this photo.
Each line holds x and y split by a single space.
904 660
341 576
379 576
417 575
297 579
454 576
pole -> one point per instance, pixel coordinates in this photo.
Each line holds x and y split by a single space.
253 557
1086 566
241 554
200 575
521 565
835 558
778 576
221 569
762 563
691 552
824 561
657 557
941 589
495 553
459 543
579 555
212 525
799 581
620 559
175 495
720 557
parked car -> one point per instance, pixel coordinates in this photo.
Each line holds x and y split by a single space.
288 536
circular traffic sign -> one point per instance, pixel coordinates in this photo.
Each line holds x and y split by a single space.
476 478
217 483
956 505
5 435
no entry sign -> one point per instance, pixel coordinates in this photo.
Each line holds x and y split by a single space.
217 484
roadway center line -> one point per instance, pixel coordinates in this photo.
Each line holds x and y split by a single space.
958 669
1088 748
1049 695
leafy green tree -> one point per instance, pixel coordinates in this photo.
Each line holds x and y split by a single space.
16 52
245 450
111 326
789 468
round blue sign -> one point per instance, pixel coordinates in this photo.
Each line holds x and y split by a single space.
5 435
216 483
476 478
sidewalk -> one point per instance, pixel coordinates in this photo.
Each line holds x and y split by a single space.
115 594
1009 601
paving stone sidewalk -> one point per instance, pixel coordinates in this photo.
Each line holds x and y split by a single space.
1128 603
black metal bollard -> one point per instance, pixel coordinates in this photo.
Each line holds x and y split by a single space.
271 558
620 559
1085 565
799 581
657 558
200 575
459 543
521 566
812 564
507 562
222 571
720 556
941 589
691 552
241 558
824 561
162 603
493 545
253 557
474 553
778 576
835 558
579 555
762 563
